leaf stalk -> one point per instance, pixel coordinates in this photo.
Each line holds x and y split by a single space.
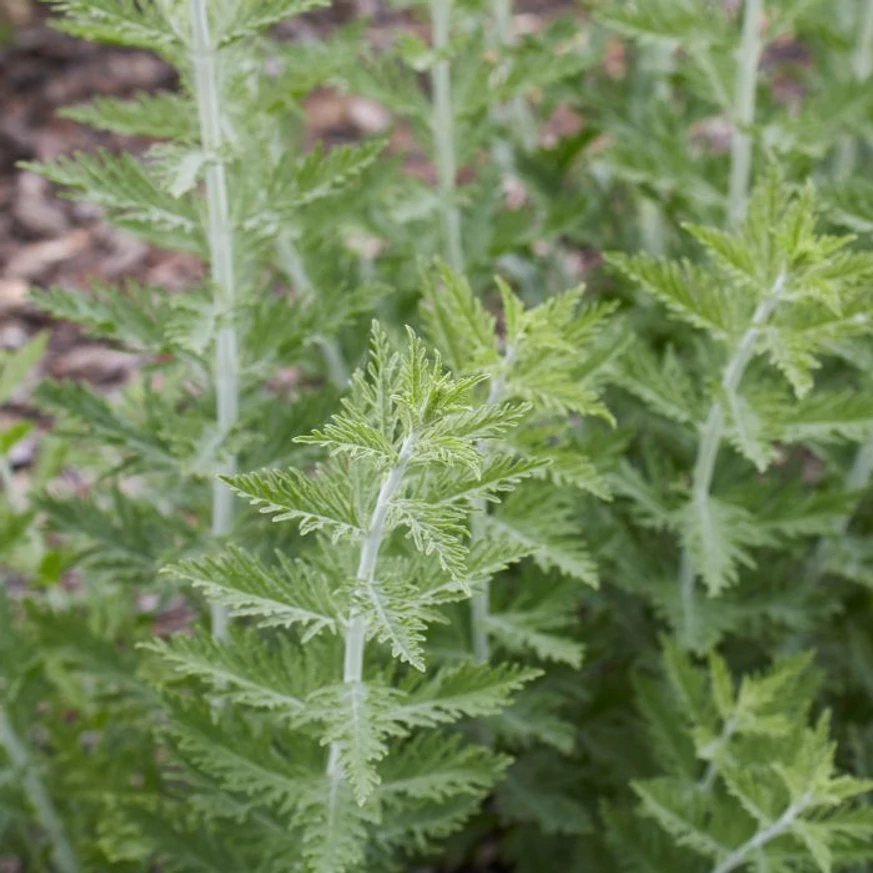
711 439
356 630
480 603
744 110
62 851
775 829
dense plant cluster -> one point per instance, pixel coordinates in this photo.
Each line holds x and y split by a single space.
517 572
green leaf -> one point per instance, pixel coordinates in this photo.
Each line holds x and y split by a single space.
456 322
136 315
688 290
679 21
543 519
436 529
123 185
230 751
242 668
389 603
319 175
357 719
353 437
336 828
522 630
665 384
253 17
124 22
748 431
324 501
15 366
675 808
462 691
719 537
435 766
162 115
14 433
292 592
828 416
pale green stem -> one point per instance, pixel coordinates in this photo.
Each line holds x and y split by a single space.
62 851
657 63
859 476
862 66
744 110
857 479
356 629
651 221
522 124
862 61
713 750
711 438
293 266
221 260
775 829
862 468
443 123
480 604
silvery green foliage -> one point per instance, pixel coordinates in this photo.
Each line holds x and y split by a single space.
774 298
169 427
555 357
344 690
747 777
477 553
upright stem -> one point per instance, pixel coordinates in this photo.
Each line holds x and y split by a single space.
293 266
710 441
861 471
502 10
744 110
714 748
221 259
444 133
518 111
862 60
862 66
656 63
356 630
480 604
651 222
857 479
62 851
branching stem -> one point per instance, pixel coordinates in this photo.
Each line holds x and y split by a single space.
443 123
862 60
480 604
775 829
62 851
744 110
857 479
293 266
517 111
356 630
712 436
862 468
862 66
713 749
221 259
